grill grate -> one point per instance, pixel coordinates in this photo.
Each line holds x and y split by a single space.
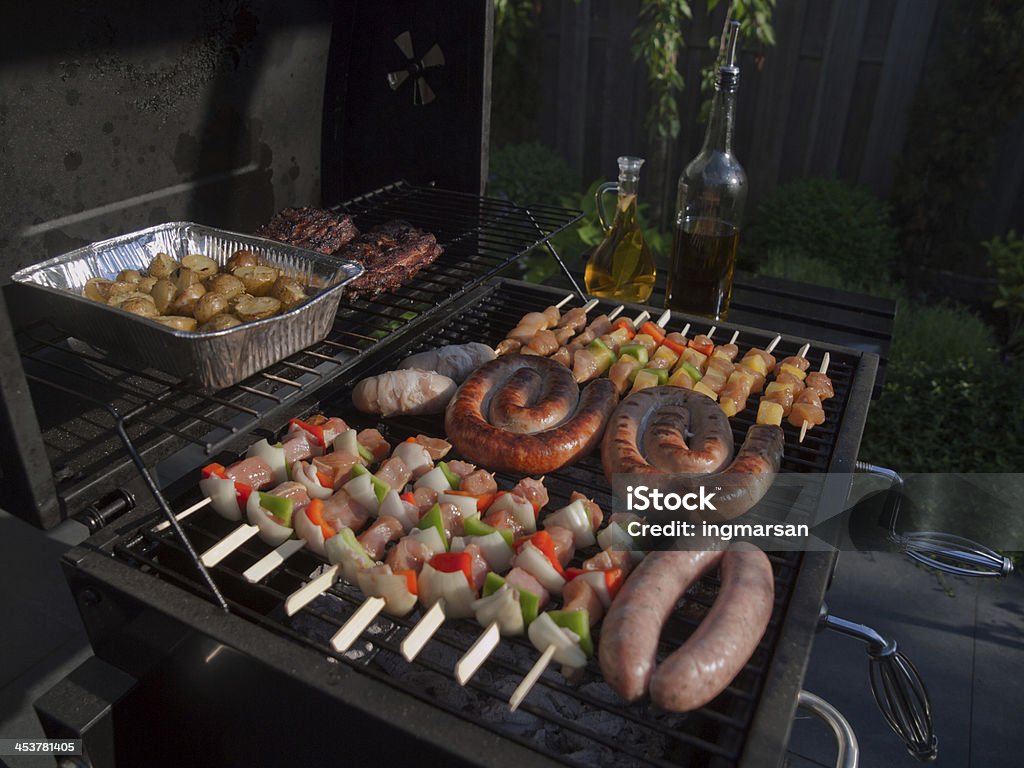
173 423
567 716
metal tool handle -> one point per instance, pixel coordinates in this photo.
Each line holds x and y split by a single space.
848 754
897 687
941 551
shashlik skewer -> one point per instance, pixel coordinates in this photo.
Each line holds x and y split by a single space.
599 326
818 387
528 326
747 378
597 356
780 394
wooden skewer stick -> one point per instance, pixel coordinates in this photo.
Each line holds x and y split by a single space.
773 343
305 594
228 544
357 623
662 321
640 319
425 628
590 305
735 335
616 312
802 352
272 560
524 688
686 330
711 333
477 654
182 515
823 369
566 300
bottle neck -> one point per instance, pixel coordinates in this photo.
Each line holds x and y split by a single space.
720 123
627 184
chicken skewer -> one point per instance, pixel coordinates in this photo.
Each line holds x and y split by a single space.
546 341
747 377
818 387
529 324
599 326
779 395
599 355
636 364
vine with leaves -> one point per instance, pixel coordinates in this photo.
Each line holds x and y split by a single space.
658 41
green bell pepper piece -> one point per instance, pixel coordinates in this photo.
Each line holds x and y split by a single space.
636 351
691 371
433 519
660 373
577 622
280 508
451 477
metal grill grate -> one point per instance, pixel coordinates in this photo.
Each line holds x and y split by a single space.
568 715
176 425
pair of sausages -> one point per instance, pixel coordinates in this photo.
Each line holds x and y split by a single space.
707 662
526 414
665 430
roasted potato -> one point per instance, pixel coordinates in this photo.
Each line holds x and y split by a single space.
288 291
146 284
221 323
184 302
163 293
121 288
203 266
183 277
209 306
228 285
257 280
241 259
257 308
177 322
129 276
98 289
140 305
161 266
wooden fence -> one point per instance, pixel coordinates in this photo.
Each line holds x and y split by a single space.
831 99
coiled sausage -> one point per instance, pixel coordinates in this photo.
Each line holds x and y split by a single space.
525 414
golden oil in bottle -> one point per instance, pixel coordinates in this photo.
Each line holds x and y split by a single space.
622 266
701 268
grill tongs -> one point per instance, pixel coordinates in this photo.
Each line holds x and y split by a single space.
896 685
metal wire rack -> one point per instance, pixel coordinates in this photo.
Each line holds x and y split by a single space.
177 426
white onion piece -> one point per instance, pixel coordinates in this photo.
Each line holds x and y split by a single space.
398 600
574 517
495 550
434 479
271 531
502 607
597 582
404 513
466 504
521 510
273 455
309 532
352 560
346 442
221 493
543 632
613 536
453 588
305 475
535 563
429 537
361 489
415 457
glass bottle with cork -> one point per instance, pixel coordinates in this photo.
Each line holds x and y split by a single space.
709 207
622 266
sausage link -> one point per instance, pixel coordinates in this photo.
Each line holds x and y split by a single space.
544 423
725 640
629 637
658 420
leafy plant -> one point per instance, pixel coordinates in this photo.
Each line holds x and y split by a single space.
515 77
795 264
1007 257
844 225
531 173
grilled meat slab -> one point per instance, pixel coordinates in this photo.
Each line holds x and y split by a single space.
391 254
312 228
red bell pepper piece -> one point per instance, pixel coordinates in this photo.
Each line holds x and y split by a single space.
409 497
653 330
542 540
214 470
242 492
410 577
315 512
482 502
704 349
453 562
313 429
626 325
325 479
675 346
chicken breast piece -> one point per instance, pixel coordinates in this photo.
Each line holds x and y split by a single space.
456 361
404 392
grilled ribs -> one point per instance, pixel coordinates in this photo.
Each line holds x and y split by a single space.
390 254
312 228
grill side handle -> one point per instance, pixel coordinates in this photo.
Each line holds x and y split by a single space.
848 751
896 685
942 551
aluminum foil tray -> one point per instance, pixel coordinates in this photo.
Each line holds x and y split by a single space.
209 361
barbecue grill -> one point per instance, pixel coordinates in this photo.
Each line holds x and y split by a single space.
118 449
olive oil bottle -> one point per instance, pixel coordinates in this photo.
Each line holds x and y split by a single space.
709 207
622 266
